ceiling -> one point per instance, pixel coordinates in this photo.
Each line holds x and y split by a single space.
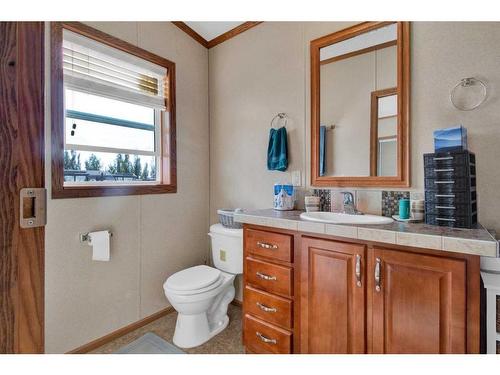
212 29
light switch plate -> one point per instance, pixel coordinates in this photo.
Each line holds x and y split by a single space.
296 178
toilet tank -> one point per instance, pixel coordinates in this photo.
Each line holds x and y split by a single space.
227 248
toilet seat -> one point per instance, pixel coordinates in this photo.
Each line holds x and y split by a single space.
194 280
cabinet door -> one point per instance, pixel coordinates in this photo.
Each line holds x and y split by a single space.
419 305
332 297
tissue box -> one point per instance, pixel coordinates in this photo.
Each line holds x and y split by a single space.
450 139
284 197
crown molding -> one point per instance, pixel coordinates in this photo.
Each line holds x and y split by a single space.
218 40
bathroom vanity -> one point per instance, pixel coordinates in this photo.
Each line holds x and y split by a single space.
392 288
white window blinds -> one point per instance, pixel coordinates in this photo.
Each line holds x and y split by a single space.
96 68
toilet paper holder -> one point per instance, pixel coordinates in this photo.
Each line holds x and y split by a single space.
85 237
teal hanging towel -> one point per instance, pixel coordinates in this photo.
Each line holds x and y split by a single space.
277 151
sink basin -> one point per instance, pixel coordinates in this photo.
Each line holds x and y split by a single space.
340 218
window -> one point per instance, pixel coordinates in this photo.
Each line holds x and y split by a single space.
113 120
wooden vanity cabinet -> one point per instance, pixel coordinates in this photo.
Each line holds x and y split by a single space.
332 296
351 296
417 303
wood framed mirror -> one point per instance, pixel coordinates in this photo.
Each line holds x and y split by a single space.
360 106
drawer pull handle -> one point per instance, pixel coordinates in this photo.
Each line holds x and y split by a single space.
265 339
445 182
377 274
444 158
358 270
266 308
266 245
445 195
444 219
444 170
263 276
447 207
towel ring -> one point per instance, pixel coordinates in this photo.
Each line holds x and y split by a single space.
465 83
278 117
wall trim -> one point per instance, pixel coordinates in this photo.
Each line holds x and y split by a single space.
193 34
120 332
129 328
221 38
237 303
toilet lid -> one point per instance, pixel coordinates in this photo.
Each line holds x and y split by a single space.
194 278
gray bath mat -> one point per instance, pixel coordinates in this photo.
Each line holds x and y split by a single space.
149 344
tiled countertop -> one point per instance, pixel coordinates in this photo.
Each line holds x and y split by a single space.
469 241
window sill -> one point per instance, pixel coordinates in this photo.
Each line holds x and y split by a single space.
108 191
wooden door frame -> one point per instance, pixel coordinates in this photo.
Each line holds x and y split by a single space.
374 119
22 159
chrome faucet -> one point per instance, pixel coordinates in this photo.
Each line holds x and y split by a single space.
349 205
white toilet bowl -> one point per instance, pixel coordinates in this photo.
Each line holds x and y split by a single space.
202 311
201 294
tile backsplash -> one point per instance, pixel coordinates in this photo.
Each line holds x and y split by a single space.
390 201
377 202
325 199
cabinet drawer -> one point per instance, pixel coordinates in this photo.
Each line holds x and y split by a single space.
455 197
271 308
262 337
441 209
450 185
269 277
450 172
449 159
270 245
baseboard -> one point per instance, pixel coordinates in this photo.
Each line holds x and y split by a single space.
236 302
120 332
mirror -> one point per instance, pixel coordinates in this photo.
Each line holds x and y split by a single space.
359 106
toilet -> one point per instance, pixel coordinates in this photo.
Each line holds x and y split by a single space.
201 294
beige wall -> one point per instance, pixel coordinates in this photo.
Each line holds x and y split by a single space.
266 70
153 235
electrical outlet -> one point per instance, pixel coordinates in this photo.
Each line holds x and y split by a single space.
296 180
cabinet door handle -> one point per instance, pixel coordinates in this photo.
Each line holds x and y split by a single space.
377 274
263 276
358 270
265 339
266 308
266 245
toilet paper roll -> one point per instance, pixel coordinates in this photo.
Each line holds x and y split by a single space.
100 245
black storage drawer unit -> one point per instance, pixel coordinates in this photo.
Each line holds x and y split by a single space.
450 189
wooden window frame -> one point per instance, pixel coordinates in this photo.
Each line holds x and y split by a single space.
168 183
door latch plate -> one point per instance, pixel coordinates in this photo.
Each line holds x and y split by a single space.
32 207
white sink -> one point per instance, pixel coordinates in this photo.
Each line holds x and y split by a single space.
340 218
